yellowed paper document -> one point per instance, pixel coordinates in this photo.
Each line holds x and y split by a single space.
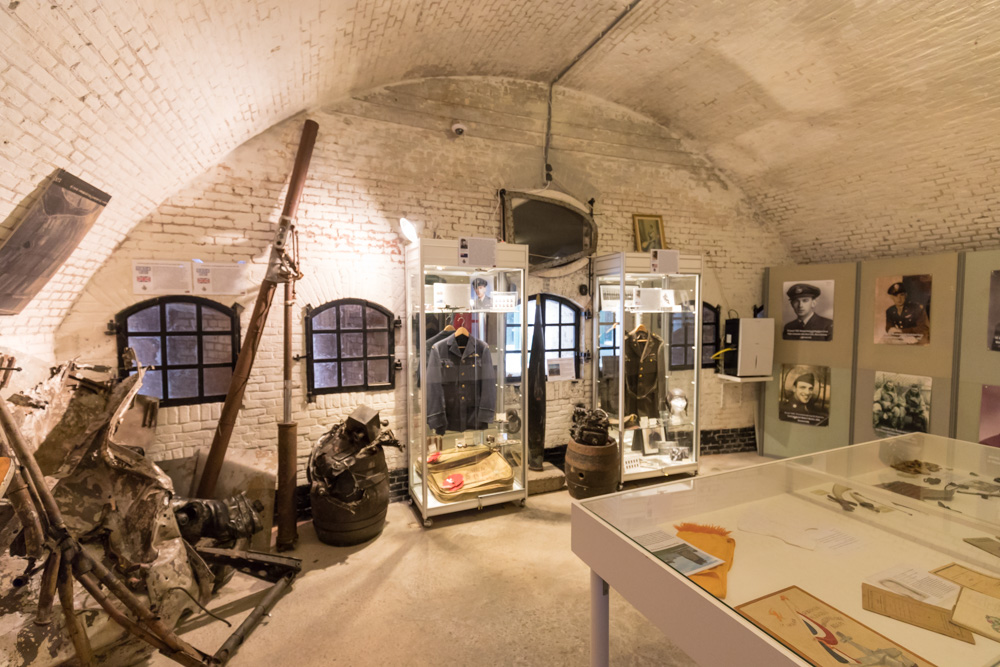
914 612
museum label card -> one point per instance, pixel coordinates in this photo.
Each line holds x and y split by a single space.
978 612
504 302
675 552
665 261
561 369
918 584
219 278
477 252
914 612
968 578
161 277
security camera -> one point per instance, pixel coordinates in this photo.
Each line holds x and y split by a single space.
458 129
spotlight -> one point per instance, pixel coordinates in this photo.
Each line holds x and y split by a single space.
408 230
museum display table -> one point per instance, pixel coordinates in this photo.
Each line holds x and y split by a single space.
810 558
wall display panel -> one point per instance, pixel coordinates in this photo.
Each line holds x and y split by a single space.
807 407
979 350
901 330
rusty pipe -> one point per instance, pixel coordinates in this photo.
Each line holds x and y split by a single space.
248 351
288 533
47 594
77 633
91 585
84 564
35 476
24 505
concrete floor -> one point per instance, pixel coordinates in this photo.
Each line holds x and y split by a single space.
495 587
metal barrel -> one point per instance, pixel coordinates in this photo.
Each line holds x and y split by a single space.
592 471
343 522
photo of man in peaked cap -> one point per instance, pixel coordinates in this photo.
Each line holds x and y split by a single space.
805 398
993 320
906 320
802 319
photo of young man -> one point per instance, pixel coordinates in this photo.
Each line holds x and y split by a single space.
808 313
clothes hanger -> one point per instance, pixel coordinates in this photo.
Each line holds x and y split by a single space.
449 327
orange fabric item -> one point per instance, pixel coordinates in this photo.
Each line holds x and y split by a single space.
713 540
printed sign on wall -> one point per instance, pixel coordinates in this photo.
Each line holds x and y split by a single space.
161 277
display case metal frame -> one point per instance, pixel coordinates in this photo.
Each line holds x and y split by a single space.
631 266
917 532
443 255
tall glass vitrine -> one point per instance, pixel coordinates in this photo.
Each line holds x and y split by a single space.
647 333
467 440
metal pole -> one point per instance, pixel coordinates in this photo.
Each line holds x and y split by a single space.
250 622
244 363
287 442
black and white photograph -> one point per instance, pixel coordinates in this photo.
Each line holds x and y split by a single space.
481 292
993 320
902 403
903 310
49 233
805 394
989 416
807 310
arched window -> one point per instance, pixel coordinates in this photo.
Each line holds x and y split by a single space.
350 346
189 343
561 331
682 338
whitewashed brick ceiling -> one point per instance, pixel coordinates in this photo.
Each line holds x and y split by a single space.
859 128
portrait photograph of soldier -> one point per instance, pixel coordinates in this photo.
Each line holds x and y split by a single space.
807 310
993 320
903 310
805 395
989 416
482 293
902 403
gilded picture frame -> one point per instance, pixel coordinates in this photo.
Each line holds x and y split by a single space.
649 232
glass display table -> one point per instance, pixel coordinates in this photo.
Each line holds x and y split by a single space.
823 553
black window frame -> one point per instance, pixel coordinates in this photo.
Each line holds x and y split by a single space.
311 313
709 336
576 324
122 334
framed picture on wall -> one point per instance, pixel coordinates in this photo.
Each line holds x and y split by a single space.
902 310
649 233
993 324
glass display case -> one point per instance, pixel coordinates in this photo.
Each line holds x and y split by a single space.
465 409
882 553
648 341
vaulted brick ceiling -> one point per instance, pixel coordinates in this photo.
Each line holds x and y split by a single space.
860 128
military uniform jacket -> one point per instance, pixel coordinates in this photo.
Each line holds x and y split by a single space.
817 328
461 386
913 319
645 375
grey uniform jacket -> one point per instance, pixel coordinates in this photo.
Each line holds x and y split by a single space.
461 386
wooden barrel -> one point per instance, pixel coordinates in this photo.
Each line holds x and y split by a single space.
592 471
358 515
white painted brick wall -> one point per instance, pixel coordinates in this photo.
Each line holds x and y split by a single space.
366 173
